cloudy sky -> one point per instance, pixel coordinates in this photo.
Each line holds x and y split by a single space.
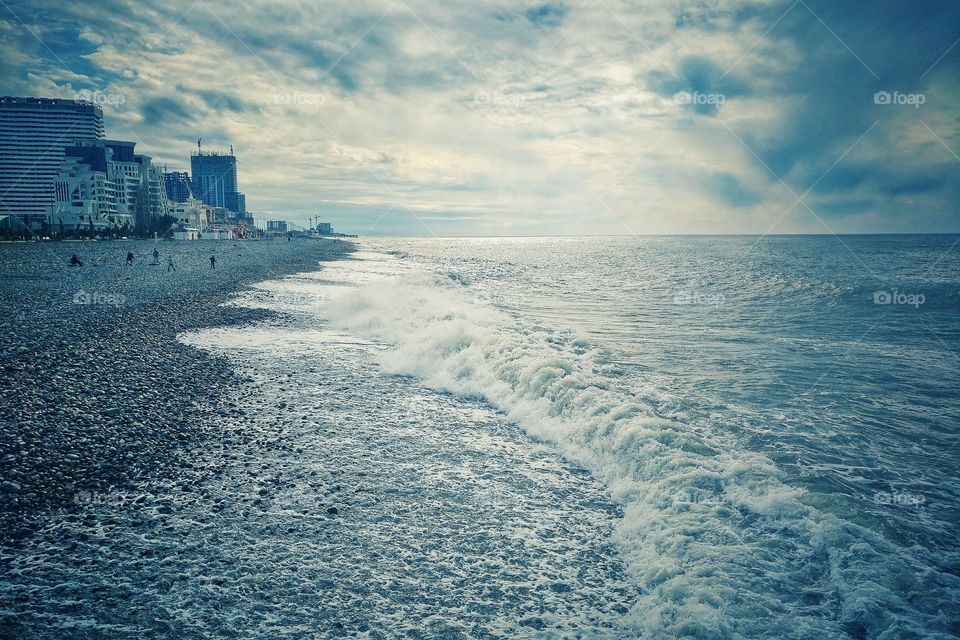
514 118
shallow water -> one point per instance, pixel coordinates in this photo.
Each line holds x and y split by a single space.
439 530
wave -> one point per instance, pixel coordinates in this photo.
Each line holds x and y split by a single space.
720 545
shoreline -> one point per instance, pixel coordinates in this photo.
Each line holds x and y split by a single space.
98 394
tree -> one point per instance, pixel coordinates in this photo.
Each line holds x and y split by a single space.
162 225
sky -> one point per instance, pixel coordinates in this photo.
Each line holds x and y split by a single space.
423 118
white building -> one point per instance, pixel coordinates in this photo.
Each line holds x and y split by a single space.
85 192
190 213
218 233
186 233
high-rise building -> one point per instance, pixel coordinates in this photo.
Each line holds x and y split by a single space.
126 175
215 180
151 197
33 135
177 186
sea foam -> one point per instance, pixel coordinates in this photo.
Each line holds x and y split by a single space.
720 545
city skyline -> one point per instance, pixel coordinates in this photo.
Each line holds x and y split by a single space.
394 118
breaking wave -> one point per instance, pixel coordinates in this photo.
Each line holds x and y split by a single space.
720 545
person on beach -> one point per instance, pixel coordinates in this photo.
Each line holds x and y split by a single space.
213 262
170 266
156 256
75 261
129 258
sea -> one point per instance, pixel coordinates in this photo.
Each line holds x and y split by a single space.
657 437
600 437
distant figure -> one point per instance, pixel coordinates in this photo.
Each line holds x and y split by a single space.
75 261
288 238
170 266
156 256
213 262
129 258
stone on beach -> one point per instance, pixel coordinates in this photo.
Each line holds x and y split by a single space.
98 395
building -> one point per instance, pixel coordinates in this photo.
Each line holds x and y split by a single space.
84 191
324 228
177 186
151 197
186 233
219 232
191 213
215 180
126 176
33 135
276 227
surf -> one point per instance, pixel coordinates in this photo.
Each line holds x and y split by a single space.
720 545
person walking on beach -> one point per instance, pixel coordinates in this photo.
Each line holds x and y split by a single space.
75 261
170 266
156 256
129 258
213 262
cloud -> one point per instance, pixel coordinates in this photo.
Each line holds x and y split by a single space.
165 112
547 14
511 117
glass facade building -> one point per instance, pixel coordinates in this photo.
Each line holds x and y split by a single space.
33 135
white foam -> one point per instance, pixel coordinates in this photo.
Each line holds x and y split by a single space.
720 545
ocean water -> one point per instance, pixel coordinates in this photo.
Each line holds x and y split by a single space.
776 418
665 437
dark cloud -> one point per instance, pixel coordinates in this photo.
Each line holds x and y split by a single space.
166 112
848 51
220 100
550 14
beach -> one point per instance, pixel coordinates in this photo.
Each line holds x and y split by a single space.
97 393
313 495
466 438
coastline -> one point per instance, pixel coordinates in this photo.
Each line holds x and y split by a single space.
97 392
325 485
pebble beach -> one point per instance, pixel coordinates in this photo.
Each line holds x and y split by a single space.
97 393
240 471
